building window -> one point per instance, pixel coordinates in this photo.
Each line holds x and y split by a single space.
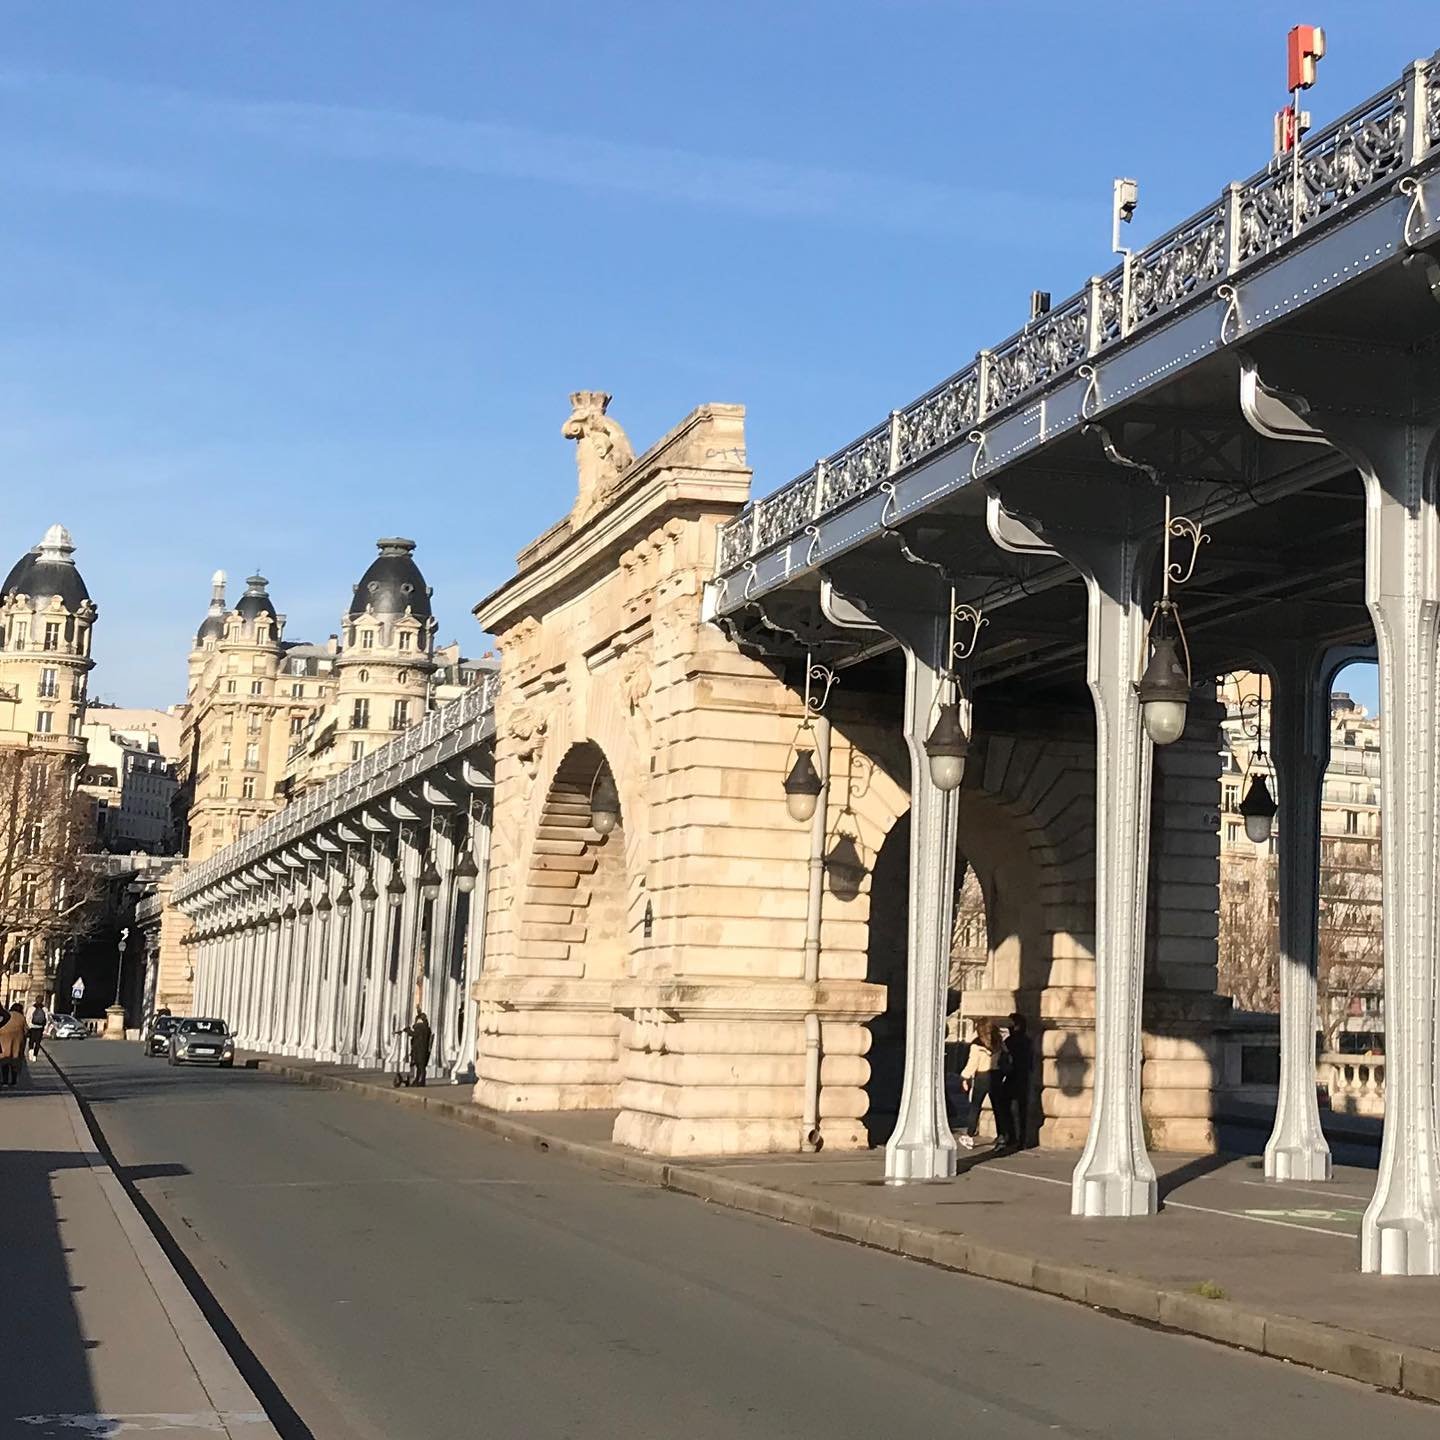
1232 833
367 639
225 752
224 786
405 639
1352 822
44 723
247 787
357 749
229 687
77 687
49 685
34 837
400 715
298 691
52 634
257 687
297 724
252 756
73 728
29 892
1232 797
360 716
364 677
22 633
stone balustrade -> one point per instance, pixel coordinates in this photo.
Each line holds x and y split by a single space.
1355 1083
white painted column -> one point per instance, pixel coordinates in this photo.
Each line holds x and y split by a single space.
474 949
1300 748
1400 1231
371 962
283 1039
923 1147
406 966
439 987
1114 1176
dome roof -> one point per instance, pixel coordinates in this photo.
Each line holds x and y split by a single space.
212 627
256 599
18 569
393 583
49 570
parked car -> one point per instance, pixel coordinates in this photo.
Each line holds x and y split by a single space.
156 1035
201 1041
67 1027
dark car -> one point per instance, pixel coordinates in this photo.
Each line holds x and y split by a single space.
157 1038
201 1041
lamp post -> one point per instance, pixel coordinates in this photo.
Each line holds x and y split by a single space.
604 801
1258 808
1164 687
947 746
804 783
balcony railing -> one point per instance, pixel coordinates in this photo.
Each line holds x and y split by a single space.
1353 159
297 818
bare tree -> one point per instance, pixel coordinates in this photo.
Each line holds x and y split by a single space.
48 883
1352 953
1249 949
1350 961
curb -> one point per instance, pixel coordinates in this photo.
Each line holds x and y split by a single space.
1387 1365
237 1409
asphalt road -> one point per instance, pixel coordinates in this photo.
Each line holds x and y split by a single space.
400 1277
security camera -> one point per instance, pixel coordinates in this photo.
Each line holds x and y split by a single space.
1127 197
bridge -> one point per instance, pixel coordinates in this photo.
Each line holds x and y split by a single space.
1221 455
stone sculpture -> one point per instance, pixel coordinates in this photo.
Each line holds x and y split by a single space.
602 453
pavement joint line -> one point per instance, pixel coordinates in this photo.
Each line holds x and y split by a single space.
237 1410
1405 1370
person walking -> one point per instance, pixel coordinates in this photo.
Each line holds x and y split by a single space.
985 1071
1021 1050
421 1040
39 1019
12 1045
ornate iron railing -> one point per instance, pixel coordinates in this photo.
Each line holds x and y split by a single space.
1350 159
295 820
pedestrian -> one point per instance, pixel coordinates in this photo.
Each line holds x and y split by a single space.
985 1070
39 1019
1021 1050
12 1045
420 1042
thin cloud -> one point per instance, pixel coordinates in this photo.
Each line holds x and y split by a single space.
776 189
766 188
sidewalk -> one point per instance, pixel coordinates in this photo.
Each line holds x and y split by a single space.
98 1334
1264 1267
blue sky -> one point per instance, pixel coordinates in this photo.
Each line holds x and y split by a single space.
282 277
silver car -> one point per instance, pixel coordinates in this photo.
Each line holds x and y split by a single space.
198 1040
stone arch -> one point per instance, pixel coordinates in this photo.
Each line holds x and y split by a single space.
1025 832
575 916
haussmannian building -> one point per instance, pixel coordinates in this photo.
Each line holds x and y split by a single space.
47 620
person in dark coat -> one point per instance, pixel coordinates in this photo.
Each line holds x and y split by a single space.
1021 1050
39 1019
421 1040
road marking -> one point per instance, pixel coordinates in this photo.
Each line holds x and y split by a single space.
427 1180
1200 1209
1284 1187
